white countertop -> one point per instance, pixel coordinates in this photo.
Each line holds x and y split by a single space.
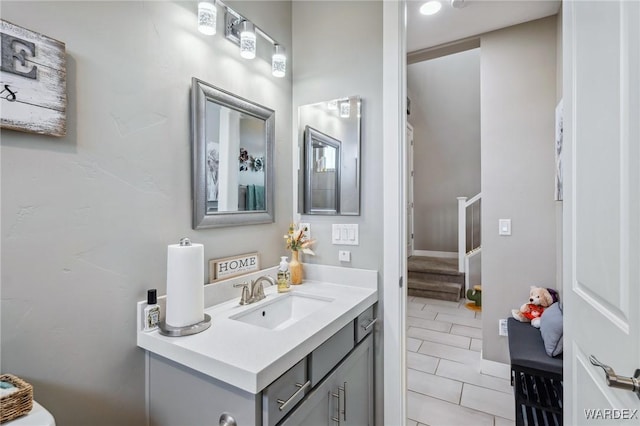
250 357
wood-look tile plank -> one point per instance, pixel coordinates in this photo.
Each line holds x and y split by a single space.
435 386
436 412
439 337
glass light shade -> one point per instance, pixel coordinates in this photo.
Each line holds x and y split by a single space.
345 109
247 40
279 61
207 17
430 7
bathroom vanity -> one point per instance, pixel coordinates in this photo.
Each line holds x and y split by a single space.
298 358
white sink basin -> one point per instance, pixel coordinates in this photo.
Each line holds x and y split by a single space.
283 311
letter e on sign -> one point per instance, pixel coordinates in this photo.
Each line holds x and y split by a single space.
33 82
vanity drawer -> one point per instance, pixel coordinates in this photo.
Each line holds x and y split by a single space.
328 354
284 393
365 324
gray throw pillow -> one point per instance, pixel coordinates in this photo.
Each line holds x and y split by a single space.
551 329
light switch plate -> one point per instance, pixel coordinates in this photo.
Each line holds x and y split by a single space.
345 234
504 227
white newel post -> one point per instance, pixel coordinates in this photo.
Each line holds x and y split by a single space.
462 232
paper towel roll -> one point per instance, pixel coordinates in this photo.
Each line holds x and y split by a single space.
185 285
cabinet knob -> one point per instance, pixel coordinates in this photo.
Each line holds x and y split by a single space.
227 419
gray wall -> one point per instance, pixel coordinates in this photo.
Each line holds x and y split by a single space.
445 114
86 218
337 52
518 74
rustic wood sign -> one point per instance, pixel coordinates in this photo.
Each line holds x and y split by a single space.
229 267
33 82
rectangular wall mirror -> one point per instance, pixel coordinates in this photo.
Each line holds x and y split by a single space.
232 143
329 135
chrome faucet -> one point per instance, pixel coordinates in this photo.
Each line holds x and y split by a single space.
253 290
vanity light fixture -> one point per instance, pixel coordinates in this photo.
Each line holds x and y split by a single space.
207 17
431 7
247 40
242 32
279 61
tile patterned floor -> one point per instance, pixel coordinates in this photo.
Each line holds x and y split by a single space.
445 386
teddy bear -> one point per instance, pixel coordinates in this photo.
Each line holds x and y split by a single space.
539 299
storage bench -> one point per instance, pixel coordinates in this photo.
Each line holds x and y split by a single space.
535 376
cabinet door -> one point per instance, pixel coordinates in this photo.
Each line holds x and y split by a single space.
315 410
181 396
344 397
355 386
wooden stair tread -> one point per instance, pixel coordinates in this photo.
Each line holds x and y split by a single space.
435 265
434 277
434 285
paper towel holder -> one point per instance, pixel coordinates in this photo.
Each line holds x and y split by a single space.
171 331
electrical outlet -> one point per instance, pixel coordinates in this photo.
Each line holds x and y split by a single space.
344 256
308 231
502 327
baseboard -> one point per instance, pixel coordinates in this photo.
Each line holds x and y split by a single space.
496 369
445 254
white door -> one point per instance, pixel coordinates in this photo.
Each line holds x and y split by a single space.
602 207
409 174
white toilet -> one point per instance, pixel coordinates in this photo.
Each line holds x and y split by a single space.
38 416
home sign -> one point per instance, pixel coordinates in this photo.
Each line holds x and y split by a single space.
33 81
229 267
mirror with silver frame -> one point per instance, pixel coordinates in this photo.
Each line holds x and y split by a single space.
232 158
329 176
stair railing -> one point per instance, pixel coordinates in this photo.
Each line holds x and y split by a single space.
464 204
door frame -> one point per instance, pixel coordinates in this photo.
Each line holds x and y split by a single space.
409 172
394 289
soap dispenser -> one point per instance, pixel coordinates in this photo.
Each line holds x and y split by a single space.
284 277
151 311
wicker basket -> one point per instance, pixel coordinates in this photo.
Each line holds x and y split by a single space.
18 403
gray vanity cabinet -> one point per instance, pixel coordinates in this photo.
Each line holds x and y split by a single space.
333 385
344 397
181 396
357 387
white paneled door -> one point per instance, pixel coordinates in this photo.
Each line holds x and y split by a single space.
601 88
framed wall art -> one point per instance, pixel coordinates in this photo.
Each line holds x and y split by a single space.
33 82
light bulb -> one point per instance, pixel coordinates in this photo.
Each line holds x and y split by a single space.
247 40
279 61
345 109
207 16
430 7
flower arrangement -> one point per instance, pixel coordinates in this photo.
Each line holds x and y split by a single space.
297 239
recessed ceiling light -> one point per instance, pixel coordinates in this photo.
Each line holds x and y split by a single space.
430 7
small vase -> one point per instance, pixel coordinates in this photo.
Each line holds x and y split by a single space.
295 268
